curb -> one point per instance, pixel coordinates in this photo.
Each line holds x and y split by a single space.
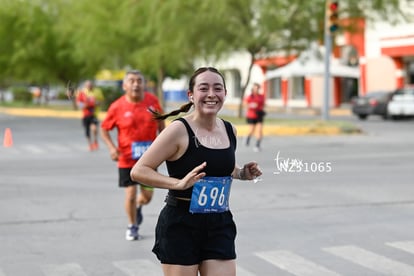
242 130
41 112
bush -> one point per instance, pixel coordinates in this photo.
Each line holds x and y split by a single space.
110 95
62 95
22 94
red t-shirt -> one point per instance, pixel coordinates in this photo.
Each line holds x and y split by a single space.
89 100
255 102
134 123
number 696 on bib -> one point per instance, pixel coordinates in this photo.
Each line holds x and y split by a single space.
211 195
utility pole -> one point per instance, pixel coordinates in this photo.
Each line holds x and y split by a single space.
331 26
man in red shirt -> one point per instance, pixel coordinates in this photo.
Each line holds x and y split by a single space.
136 130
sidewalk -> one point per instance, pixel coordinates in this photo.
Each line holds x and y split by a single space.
314 126
295 111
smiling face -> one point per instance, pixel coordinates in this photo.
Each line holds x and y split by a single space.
208 92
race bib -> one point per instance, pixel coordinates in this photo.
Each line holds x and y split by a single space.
138 149
211 195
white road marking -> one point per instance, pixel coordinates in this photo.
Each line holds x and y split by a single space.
407 246
371 260
58 148
32 149
295 264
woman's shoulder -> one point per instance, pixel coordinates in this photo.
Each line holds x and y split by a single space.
176 126
173 134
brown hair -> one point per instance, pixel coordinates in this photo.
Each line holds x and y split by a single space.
186 107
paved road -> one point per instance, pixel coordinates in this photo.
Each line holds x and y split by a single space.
349 211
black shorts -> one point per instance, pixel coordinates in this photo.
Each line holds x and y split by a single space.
254 121
126 181
87 122
183 238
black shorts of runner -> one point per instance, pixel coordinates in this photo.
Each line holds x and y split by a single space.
126 181
254 121
183 238
87 122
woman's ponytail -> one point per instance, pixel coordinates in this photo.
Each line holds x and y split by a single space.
184 108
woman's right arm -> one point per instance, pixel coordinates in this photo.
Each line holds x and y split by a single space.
170 144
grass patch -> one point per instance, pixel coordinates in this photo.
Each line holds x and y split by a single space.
293 122
312 126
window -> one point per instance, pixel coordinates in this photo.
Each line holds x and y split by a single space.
233 82
275 88
297 88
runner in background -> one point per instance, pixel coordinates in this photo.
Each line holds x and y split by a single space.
255 114
136 129
89 100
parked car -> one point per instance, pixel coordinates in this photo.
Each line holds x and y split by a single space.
402 103
373 103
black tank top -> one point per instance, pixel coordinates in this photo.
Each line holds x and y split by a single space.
220 162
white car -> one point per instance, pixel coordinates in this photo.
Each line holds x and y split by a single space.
402 103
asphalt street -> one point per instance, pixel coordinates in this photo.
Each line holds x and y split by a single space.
325 205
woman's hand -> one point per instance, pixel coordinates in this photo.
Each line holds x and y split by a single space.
191 178
250 171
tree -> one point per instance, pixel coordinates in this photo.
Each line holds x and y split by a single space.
36 50
46 41
173 37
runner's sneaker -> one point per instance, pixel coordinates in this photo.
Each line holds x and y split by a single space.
132 233
140 218
257 149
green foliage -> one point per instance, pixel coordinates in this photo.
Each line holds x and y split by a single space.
34 50
56 41
61 95
110 95
22 95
